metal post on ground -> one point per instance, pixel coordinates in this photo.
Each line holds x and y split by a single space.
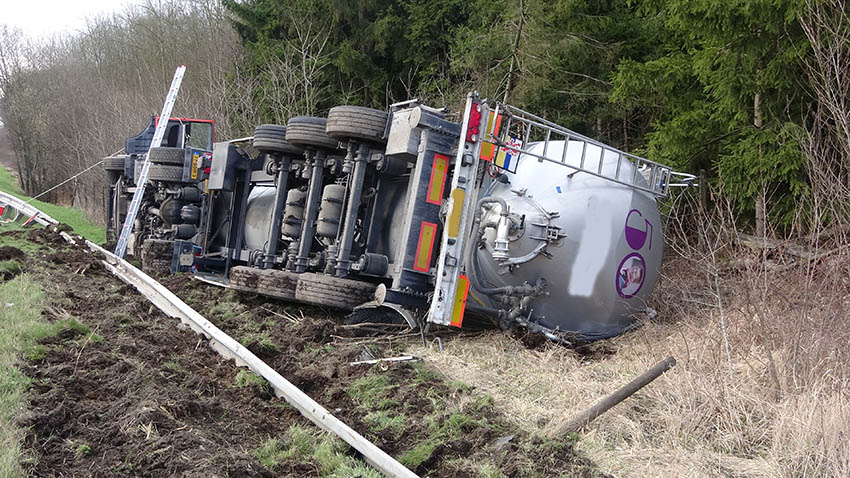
624 392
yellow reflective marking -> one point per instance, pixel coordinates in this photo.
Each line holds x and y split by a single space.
459 306
458 196
194 174
425 247
438 180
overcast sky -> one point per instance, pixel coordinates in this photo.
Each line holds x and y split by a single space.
39 18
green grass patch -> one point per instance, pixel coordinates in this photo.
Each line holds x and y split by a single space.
82 451
450 429
73 217
386 421
316 350
10 268
35 353
489 471
20 243
302 444
443 427
263 340
371 392
174 366
247 379
223 309
20 326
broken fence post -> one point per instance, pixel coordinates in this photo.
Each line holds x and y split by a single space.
624 392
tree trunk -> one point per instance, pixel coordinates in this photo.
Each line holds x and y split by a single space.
514 61
761 199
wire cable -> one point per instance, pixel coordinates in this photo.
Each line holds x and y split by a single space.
71 178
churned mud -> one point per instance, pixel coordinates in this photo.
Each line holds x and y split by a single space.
129 392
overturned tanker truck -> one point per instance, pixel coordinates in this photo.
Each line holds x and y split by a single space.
405 213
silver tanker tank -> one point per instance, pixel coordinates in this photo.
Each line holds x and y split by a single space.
597 243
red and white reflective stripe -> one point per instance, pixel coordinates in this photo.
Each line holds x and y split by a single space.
31 219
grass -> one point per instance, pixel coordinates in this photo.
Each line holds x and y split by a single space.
249 380
10 268
263 339
709 415
385 420
302 445
245 379
21 328
21 243
174 366
82 451
21 301
73 217
443 428
456 412
371 392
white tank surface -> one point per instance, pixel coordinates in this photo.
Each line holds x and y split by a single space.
597 243
258 216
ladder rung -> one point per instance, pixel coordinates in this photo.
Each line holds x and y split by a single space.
619 163
564 152
601 160
583 153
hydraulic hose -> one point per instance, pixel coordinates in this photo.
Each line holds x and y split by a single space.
476 234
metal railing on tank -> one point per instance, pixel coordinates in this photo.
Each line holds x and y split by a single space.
512 132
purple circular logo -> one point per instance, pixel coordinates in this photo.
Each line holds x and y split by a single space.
637 231
630 275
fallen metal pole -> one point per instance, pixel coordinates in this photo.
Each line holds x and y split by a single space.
403 358
624 392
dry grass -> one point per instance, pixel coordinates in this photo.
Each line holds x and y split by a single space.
767 398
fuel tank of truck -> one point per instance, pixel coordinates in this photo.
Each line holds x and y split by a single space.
597 243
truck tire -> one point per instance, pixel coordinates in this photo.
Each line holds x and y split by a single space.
114 163
271 138
269 282
156 256
309 131
357 122
169 174
167 155
333 291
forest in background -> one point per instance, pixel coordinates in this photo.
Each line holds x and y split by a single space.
750 93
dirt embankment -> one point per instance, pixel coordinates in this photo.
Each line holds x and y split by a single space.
131 394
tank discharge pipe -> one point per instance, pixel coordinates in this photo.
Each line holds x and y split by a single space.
308 228
476 235
355 185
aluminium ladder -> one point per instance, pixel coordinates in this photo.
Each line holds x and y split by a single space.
141 181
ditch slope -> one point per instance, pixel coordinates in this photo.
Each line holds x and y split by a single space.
128 392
